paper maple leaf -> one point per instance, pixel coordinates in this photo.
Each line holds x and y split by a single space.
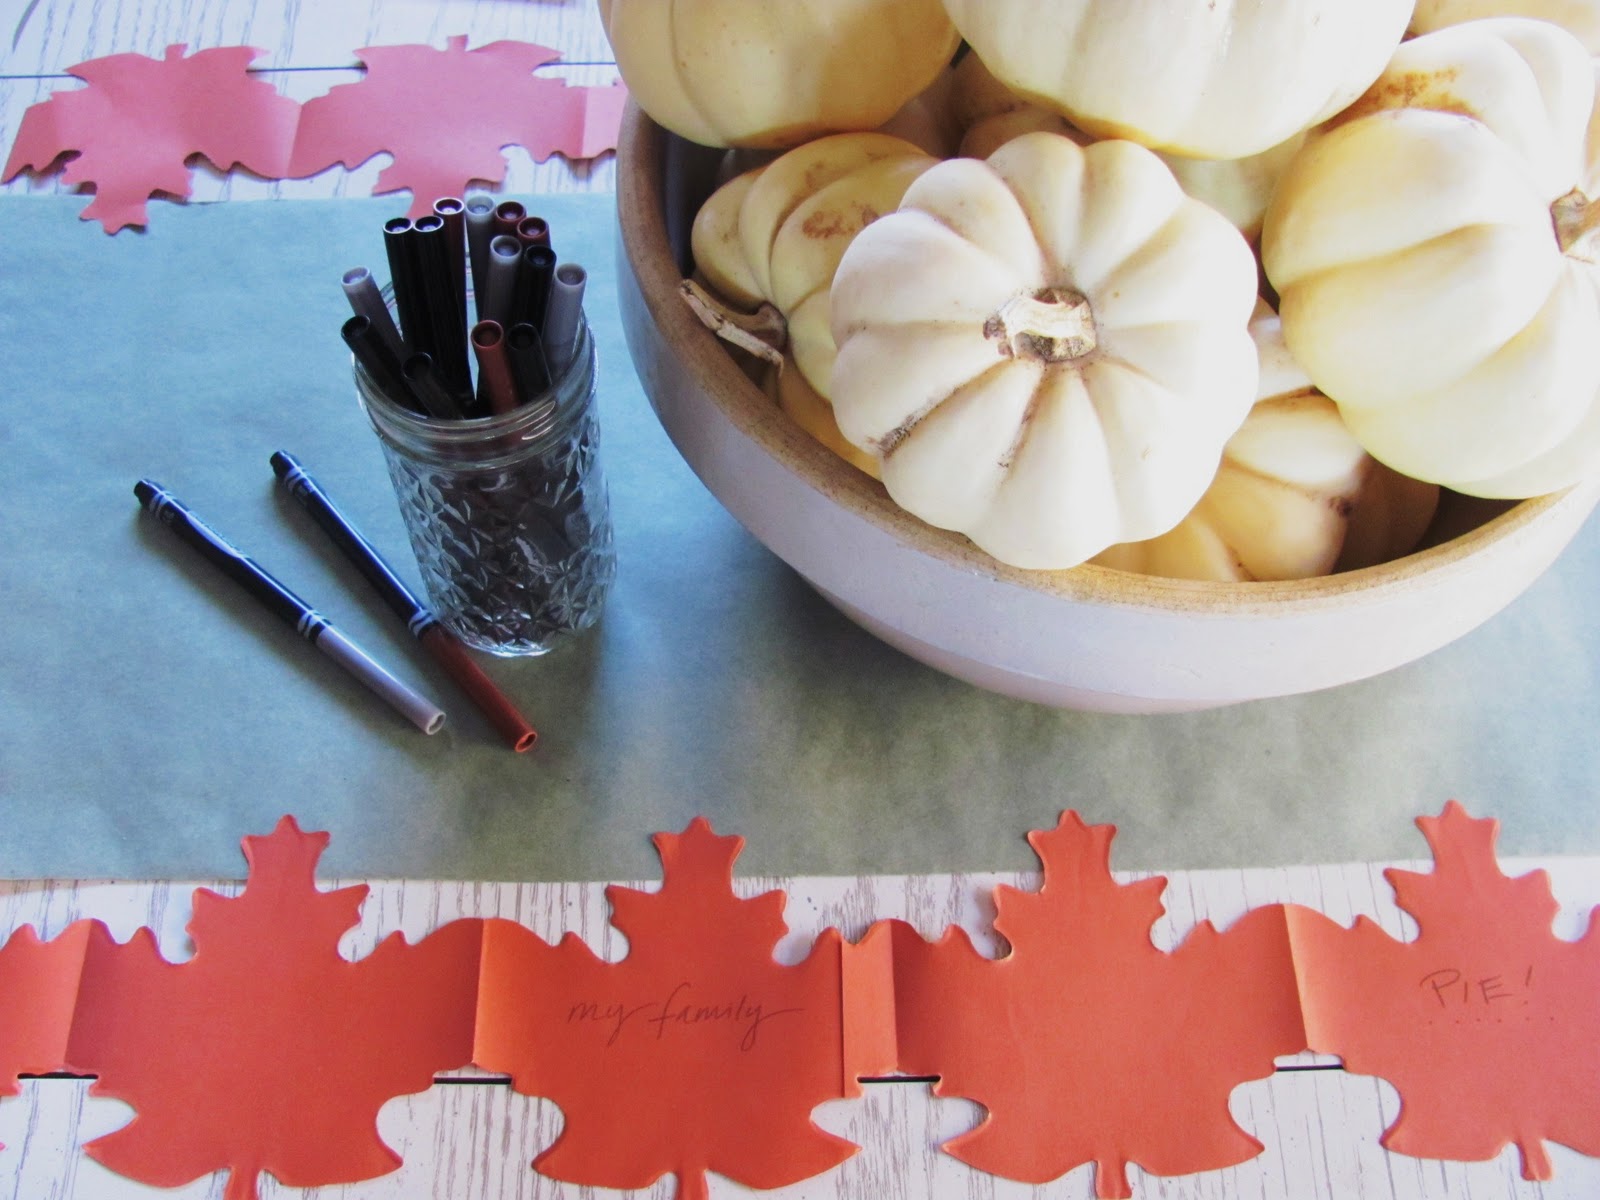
268 1051
38 986
1485 1023
140 119
697 1052
445 116
1086 1043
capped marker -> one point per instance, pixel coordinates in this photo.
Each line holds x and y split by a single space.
423 625
496 384
288 607
479 217
563 317
366 300
500 289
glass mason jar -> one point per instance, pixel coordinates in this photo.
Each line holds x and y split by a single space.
508 514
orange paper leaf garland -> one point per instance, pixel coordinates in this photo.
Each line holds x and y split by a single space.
1086 1043
38 988
268 1051
697 1052
138 121
446 114
1487 1024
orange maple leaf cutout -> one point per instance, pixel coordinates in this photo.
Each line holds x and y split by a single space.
140 119
1086 1043
1485 1023
445 116
268 1051
696 1052
38 987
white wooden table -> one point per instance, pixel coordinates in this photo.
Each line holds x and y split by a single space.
471 1138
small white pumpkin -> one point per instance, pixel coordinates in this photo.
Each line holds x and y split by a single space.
1238 188
1581 18
736 73
1452 312
1295 496
1204 80
1047 349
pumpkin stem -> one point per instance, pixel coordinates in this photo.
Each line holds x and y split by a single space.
761 333
1050 325
1576 219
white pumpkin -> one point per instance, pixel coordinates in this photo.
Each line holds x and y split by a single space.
1201 79
1452 312
1295 496
1046 350
734 73
1529 81
1442 311
1581 18
1238 188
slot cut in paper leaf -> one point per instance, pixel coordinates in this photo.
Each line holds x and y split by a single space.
445 116
134 127
38 988
1086 1043
268 1051
696 1052
1487 1024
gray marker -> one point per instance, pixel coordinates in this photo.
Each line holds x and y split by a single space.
562 316
367 301
500 285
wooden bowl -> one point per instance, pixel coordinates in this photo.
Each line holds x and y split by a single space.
1088 638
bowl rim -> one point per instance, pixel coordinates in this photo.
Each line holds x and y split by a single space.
644 239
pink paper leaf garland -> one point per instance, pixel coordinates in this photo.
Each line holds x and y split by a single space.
139 120
445 116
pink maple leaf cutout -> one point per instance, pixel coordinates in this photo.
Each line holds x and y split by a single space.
446 115
140 119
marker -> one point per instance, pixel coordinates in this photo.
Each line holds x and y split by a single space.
495 383
528 367
367 301
507 215
533 229
424 626
423 381
500 279
562 317
378 361
399 245
535 278
453 212
279 600
480 228
439 297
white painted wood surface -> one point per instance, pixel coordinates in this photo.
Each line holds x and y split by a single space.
472 1138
